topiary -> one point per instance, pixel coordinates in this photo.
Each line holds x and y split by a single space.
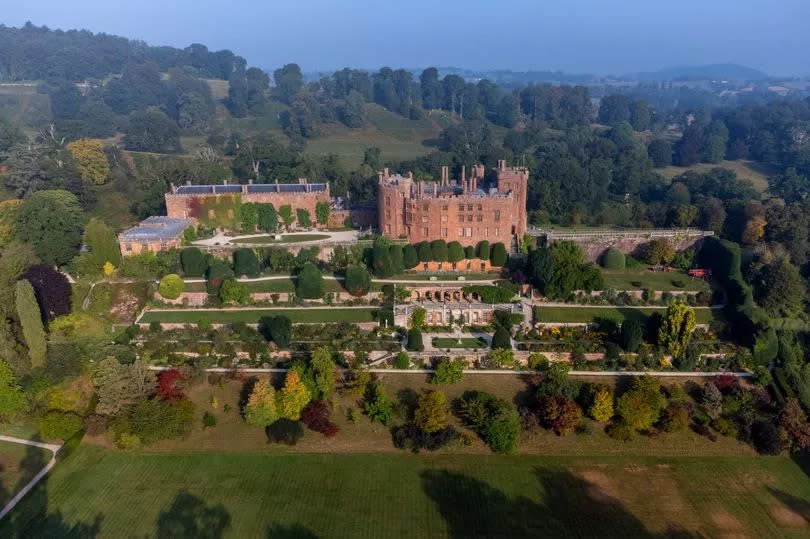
613 259
415 343
171 286
498 255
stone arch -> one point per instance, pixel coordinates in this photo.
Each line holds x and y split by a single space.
457 295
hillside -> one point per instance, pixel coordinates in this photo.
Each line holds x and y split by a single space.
711 71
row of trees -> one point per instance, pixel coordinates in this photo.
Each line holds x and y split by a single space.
389 258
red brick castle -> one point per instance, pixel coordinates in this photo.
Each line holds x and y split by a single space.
462 210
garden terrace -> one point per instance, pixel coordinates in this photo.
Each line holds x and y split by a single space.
464 342
589 315
633 279
315 315
440 313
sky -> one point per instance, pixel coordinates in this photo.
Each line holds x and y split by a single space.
576 36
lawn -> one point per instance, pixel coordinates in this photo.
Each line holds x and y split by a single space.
617 314
266 494
274 285
466 342
757 173
18 465
285 238
654 280
251 316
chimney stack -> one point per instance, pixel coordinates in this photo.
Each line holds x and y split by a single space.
463 174
173 188
385 172
501 164
410 175
435 190
445 175
224 182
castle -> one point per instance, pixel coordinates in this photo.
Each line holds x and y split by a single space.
462 210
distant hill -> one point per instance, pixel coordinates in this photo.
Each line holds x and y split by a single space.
711 71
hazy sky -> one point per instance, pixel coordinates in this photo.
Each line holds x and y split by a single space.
596 36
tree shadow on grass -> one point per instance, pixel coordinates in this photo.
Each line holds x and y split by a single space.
189 516
572 507
296 531
31 517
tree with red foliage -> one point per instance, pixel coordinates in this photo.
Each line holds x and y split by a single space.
726 383
559 413
316 417
170 385
51 289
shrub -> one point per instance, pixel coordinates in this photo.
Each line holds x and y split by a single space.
218 271
12 398
30 317
455 252
640 407
559 413
170 385
621 431
277 329
658 251
309 282
51 289
631 335
410 257
601 404
415 343
232 291
502 357
171 286
613 259
209 420
316 417
285 431
675 417
378 405
495 420
245 262
59 425
411 437
483 250
538 362
498 255
502 339
95 425
127 441
431 411
765 437
402 361
449 371
424 251
438 250
322 211
469 252
358 280
155 419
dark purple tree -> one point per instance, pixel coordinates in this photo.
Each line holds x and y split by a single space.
52 290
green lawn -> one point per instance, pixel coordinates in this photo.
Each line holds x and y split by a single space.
757 173
617 314
466 342
303 315
269 494
654 280
285 238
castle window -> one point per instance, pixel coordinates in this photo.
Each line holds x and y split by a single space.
425 231
444 232
486 232
468 232
469 207
480 207
444 218
444 207
497 215
479 218
497 231
425 207
387 201
164 246
469 218
461 207
388 228
424 219
460 218
460 232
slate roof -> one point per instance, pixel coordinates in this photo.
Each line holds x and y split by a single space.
251 188
156 228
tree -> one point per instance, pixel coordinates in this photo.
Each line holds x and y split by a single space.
502 339
792 419
425 252
323 369
316 417
438 249
91 162
119 386
498 256
378 405
431 411
12 399
602 404
675 417
294 396
358 280
8 216
260 409
171 286
286 214
676 328
103 244
51 221
310 282
502 357
640 115
322 211
712 400
449 371
455 252
613 259
289 82
354 110
193 262
415 340
31 322
267 218
660 153
303 218
640 407
614 109
780 289
659 251
245 262
560 414
152 131
410 258
630 336
766 437
170 385
232 291
52 291
483 250
397 263
277 329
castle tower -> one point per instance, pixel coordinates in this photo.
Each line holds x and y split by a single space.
516 181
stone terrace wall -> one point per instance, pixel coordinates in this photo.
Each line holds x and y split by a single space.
595 243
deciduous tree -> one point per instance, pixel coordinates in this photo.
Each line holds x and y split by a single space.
31 322
260 409
90 159
431 411
676 328
294 396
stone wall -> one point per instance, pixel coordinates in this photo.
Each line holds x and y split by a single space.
594 244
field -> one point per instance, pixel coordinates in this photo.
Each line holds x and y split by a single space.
466 342
285 238
617 314
654 280
401 495
251 316
757 173
18 465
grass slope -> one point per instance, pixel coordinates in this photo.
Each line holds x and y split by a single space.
757 173
654 280
618 314
402 495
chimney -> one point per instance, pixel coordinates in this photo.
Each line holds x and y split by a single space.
188 182
224 182
385 172
173 188
445 175
474 183
435 190
250 182
380 177
463 174
244 189
410 175
501 164
302 181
